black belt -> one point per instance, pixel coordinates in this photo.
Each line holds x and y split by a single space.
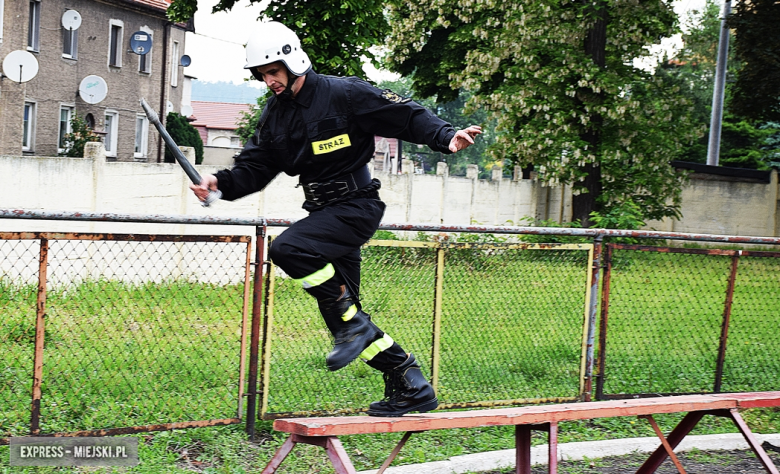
324 193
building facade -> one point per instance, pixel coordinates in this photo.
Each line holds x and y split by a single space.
35 115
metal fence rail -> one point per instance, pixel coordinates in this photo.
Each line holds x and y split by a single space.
109 334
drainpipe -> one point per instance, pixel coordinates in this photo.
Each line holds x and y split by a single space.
163 87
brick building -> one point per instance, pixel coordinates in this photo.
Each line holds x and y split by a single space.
34 115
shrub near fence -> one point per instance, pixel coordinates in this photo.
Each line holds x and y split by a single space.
140 336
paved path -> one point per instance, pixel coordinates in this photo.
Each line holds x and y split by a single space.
575 451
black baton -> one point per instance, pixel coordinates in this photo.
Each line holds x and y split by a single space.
180 158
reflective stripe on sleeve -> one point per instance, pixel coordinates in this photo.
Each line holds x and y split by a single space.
376 347
317 278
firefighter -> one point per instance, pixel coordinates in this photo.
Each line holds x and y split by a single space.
322 128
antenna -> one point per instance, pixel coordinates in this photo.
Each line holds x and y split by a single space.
185 61
20 66
140 42
93 89
71 20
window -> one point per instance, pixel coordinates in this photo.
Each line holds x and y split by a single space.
28 137
34 30
110 127
145 60
115 43
2 7
70 43
66 113
175 64
141 136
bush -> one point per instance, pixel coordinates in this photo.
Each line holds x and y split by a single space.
78 137
184 134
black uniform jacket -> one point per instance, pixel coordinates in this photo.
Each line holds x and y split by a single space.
327 131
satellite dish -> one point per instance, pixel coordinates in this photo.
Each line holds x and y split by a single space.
20 66
93 89
141 42
169 107
71 20
186 110
185 60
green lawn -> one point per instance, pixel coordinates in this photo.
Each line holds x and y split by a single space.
511 328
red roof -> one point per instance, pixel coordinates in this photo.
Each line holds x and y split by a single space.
159 4
219 115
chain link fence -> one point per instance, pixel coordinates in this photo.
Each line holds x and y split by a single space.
111 334
677 320
101 331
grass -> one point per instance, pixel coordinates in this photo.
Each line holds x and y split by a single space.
119 354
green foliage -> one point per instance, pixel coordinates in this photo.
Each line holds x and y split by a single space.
555 106
248 121
756 93
78 137
183 134
453 113
336 34
742 140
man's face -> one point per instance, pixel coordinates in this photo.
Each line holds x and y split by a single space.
274 75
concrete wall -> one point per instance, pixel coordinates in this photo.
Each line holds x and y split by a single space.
716 206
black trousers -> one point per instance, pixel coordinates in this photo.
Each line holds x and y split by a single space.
333 235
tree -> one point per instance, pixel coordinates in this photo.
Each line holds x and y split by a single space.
557 76
743 140
756 93
248 121
451 112
184 134
78 137
336 34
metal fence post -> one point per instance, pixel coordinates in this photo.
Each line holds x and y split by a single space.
724 329
254 344
605 287
40 326
437 309
594 292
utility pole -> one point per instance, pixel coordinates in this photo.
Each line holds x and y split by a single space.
716 119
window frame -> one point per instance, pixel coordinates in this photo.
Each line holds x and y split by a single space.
34 26
28 125
71 109
70 38
111 132
115 45
2 8
144 130
175 64
145 60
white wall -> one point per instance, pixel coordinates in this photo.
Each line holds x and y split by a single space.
93 185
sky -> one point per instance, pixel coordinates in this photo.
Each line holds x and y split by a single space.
217 50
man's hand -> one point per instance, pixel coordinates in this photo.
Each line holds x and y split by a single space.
464 138
208 183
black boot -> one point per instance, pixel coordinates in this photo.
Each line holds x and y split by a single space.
352 330
405 390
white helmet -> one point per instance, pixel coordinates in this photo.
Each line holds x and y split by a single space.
271 42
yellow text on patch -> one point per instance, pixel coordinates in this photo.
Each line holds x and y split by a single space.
331 144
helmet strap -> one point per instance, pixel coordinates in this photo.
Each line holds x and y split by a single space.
287 93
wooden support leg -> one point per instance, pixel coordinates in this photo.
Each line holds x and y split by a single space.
769 466
664 442
279 456
678 433
395 452
552 451
522 449
335 450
